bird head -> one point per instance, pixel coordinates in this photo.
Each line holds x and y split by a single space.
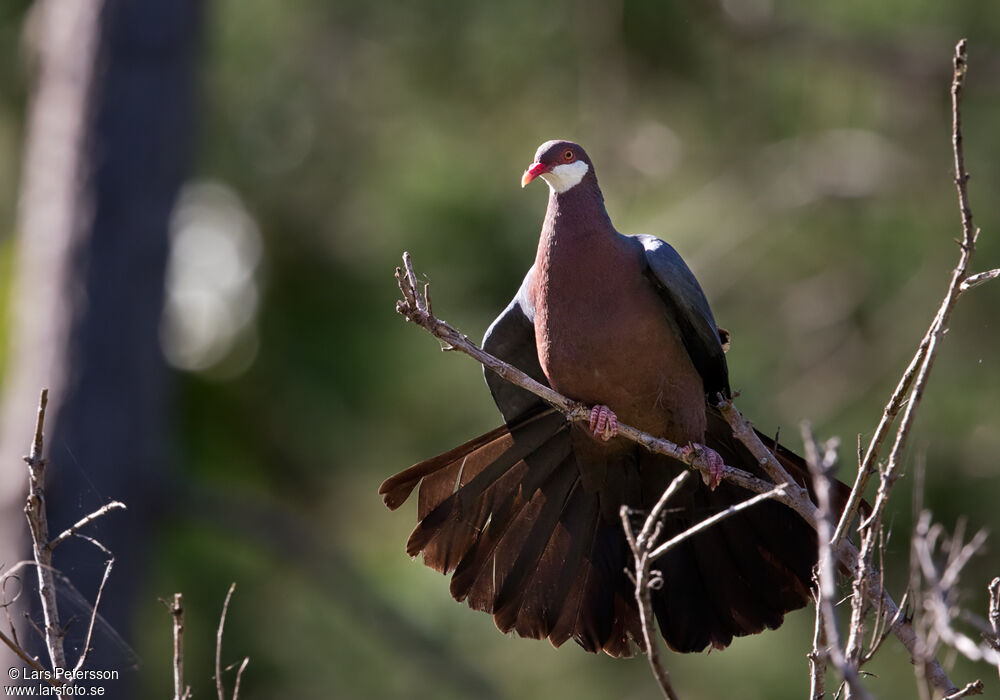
562 164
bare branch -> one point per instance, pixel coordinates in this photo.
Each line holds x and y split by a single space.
920 366
38 527
83 522
994 614
978 279
960 63
939 598
817 656
974 688
825 567
653 519
821 465
93 613
641 579
239 673
33 663
219 686
930 344
181 691
715 519
646 549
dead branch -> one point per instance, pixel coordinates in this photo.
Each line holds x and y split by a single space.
646 549
38 526
822 465
93 613
219 685
239 677
42 548
917 373
846 552
817 655
941 594
973 688
923 360
994 613
83 522
23 655
218 643
181 691
643 584
715 519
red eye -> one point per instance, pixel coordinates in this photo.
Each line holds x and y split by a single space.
568 155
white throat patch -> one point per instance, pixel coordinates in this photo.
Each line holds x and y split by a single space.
565 176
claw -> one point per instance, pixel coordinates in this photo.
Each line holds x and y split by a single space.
716 465
603 422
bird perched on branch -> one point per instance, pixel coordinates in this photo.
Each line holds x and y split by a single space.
525 517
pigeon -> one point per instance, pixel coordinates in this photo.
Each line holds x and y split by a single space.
525 518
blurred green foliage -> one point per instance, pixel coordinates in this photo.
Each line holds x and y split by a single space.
797 154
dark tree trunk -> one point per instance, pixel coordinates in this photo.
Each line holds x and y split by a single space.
92 332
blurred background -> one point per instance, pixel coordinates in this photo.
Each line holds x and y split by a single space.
201 206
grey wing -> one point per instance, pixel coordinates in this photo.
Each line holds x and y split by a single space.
686 303
511 337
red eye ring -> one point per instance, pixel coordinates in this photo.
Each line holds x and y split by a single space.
568 155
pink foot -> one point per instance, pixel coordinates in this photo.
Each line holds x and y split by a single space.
603 423
716 465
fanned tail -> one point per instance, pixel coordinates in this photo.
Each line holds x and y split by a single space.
525 519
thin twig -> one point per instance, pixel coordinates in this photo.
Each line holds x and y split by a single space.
219 686
83 522
821 467
892 471
886 629
640 552
974 688
818 655
937 600
93 615
181 691
33 663
653 519
994 615
646 549
879 612
961 281
889 413
976 280
38 526
715 519
239 677
825 567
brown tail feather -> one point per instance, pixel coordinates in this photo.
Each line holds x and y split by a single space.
396 489
525 566
458 513
474 576
526 518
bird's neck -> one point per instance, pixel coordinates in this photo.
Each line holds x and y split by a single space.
576 226
578 251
